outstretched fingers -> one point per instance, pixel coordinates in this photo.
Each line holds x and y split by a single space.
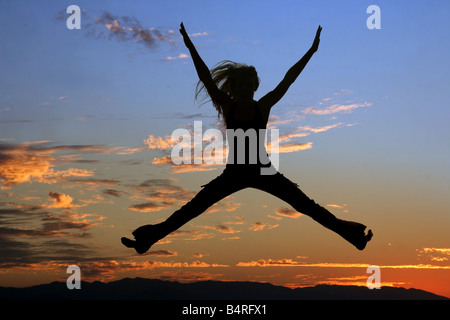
316 42
183 30
319 29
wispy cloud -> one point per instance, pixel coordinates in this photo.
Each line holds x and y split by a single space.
336 108
97 268
342 207
222 229
164 194
293 263
162 253
180 56
258 226
434 254
126 28
113 192
188 276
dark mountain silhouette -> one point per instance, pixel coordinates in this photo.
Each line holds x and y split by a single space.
151 289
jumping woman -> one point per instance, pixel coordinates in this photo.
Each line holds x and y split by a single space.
231 87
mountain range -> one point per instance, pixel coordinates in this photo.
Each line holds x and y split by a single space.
153 289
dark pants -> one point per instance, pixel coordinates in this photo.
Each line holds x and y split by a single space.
234 179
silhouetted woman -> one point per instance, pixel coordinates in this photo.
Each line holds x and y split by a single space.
231 87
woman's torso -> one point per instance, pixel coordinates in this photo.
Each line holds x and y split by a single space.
246 128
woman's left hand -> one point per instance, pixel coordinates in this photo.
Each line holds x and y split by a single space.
315 44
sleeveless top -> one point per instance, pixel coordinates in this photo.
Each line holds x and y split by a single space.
245 140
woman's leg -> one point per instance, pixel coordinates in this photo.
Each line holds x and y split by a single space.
281 187
219 188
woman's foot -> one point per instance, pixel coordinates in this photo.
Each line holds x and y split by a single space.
354 233
145 236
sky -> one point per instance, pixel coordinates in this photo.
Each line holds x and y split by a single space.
86 118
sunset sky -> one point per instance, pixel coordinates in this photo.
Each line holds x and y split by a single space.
86 118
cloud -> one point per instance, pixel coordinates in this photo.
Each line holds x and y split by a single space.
22 165
240 220
188 276
434 254
160 194
270 263
342 207
127 29
294 147
36 161
164 194
180 115
287 212
336 108
112 268
34 221
293 263
276 120
258 226
223 205
180 56
165 144
95 182
319 129
61 200
222 229
198 34
113 192
147 207
162 253
160 143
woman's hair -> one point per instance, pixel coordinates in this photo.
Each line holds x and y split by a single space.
224 75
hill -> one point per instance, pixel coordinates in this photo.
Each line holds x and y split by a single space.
152 289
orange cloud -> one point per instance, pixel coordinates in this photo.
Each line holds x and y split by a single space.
292 263
147 207
435 254
184 167
258 226
162 253
222 229
160 194
60 200
35 161
287 212
294 147
188 276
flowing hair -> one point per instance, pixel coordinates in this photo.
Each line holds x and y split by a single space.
224 74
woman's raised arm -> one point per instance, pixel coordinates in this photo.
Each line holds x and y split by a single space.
204 75
271 98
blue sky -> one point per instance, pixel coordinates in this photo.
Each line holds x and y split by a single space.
372 105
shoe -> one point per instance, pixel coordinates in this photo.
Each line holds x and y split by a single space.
354 233
145 236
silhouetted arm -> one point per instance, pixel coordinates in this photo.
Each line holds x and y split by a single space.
204 75
271 98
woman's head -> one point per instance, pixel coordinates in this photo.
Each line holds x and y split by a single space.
238 80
